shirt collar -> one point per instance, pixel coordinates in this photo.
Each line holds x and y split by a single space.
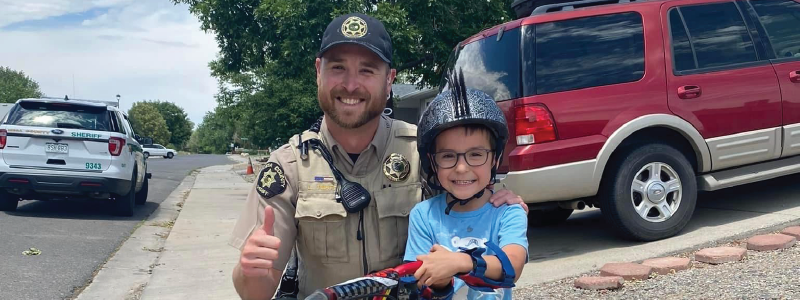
379 142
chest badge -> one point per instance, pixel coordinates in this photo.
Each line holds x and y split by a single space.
396 167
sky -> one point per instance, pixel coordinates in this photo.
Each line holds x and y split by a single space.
96 49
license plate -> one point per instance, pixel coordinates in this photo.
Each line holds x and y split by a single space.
56 148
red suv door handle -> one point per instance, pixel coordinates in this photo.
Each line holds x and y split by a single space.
689 91
794 76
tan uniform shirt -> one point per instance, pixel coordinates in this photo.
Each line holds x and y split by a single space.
307 214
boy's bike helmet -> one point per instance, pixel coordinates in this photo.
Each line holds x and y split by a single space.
457 106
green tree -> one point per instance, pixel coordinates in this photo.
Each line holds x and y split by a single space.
213 135
178 123
147 121
266 114
267 49
15 85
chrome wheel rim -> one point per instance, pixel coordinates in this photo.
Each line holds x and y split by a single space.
656 192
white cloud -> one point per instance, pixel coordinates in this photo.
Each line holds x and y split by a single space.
13 11
141 50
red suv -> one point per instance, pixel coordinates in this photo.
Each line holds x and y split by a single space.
633 107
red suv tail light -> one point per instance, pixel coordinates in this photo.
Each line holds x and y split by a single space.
115 146
3 138
534 124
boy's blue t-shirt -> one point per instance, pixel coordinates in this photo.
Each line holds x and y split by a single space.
428 225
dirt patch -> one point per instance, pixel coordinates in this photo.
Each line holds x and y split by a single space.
165 224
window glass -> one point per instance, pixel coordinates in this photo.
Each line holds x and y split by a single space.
116 122
586 52
128 126
490 65
61 115
781 20
718 34
682 56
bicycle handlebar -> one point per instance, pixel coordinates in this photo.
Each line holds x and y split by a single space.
379 282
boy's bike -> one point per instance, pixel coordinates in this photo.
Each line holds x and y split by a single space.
379 285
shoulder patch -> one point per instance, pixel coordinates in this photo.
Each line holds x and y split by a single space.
271 180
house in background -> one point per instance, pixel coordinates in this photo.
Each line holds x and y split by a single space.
410 101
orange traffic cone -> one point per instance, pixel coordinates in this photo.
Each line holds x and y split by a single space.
249 166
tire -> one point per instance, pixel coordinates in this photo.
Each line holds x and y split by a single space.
124 204
539 218
660 206
146 155
170 155
8 201
141 196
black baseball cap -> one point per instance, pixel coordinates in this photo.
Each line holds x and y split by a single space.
358 29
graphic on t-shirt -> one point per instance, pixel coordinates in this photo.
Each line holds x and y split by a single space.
468 242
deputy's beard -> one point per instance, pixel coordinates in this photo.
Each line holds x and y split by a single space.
373 107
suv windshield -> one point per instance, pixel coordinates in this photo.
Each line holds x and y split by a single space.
490 65
60 115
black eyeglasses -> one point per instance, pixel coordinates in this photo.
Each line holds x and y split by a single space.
449 159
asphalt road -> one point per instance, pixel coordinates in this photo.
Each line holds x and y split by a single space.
75 238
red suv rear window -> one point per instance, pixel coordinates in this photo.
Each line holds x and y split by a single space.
490 65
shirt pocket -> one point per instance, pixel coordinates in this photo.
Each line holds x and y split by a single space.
394 205
321 223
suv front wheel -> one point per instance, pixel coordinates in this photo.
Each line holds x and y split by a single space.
650 192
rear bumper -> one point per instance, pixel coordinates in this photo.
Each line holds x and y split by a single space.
61 184
554 183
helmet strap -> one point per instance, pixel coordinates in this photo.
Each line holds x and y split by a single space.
461 201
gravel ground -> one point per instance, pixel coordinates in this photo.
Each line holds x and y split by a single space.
257 166
761 275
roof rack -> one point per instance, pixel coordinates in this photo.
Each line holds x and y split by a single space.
66 98
566 6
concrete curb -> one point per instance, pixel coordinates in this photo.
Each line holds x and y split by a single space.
127 271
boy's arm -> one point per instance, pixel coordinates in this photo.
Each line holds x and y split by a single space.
494 269
513 240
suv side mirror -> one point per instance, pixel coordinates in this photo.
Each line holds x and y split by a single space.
137 138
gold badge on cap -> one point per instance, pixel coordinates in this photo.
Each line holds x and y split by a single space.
354 27
396 167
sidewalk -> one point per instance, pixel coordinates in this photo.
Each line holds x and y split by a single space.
180 258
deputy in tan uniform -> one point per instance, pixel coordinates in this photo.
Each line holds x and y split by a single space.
294 199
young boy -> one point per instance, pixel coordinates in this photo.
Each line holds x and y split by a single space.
461 137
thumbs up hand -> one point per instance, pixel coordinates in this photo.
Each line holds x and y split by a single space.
261 248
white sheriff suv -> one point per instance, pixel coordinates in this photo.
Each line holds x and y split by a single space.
57 149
